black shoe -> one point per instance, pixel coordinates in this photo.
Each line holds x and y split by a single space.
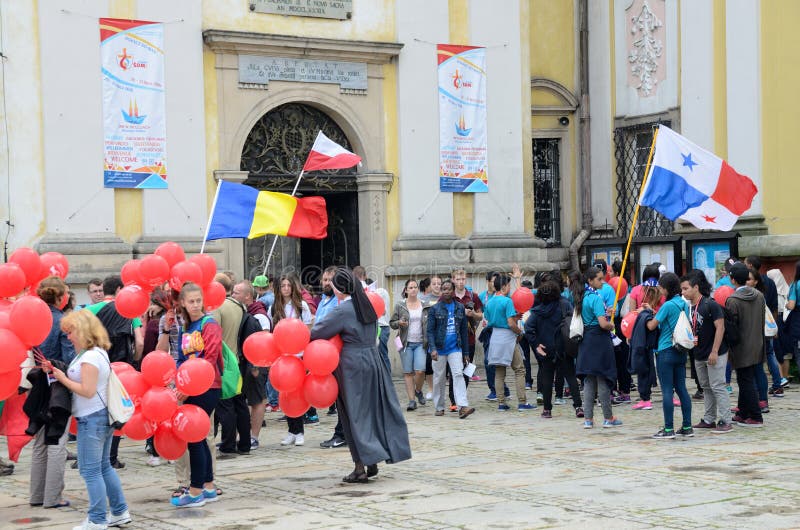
685 431
698 395
332 410
333 443
226 455
6 470
116 464
664 434
71 456
74 465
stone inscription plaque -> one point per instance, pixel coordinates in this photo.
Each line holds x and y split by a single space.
261 70
338 9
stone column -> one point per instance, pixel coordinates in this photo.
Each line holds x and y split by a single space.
373 189
233 249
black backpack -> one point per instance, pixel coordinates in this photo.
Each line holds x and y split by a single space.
120 334
563 341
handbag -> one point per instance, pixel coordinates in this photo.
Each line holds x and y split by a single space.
576 327
770 326
626 306
682 335
120 405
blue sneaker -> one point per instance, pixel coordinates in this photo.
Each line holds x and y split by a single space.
503 407
210 495
491 397
588 424
187 501
507 392
613 422
525 406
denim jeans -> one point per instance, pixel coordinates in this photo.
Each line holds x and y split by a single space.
772 364
272 395
671 367
761 382
102 481
200 463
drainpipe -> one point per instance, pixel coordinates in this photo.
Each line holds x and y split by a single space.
585 137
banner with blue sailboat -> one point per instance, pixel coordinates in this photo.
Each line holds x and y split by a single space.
462 119
134 123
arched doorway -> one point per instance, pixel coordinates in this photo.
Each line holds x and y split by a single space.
273 155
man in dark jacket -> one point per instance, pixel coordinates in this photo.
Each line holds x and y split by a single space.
745 309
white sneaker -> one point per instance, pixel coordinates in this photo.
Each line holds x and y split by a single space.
429 395
299 439
119 520
154 461
88 525
289 440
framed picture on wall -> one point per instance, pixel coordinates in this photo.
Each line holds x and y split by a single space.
709 251
663 250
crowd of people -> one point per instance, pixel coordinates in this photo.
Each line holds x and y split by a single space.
573 333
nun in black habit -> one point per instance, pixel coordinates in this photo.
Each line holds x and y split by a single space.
373 423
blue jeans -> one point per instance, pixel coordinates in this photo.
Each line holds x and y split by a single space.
413 358
383 346
102 481
200 463
272 395
772 364
671 367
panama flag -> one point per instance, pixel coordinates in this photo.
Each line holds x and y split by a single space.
689 182
327 154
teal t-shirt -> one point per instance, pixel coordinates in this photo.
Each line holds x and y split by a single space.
667 318
593 307
607 293
793 291
498 310
724 281
95 308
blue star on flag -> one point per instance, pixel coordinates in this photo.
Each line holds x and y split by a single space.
688 162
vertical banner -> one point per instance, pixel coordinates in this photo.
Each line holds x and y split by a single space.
462 118
134 125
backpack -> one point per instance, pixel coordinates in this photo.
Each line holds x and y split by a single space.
563 342
120 405
231 376
682 334
120 334
248 326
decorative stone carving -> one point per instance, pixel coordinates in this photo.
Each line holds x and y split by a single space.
646 49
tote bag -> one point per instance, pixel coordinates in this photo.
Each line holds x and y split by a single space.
576 327
682 335
770 326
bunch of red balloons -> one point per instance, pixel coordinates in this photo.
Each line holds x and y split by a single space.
302 383
168 264
26 321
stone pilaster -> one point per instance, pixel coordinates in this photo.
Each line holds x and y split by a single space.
373 188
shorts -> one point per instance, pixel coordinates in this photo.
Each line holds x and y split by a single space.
413 358
255 388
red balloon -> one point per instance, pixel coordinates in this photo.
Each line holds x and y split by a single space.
291 335
167 444
118 367
31 320
185 271
29 262
159 404
377 303
132 301
213 295
12 279
154 270
190 423
73 426
320 357
5 322
158 368
12 351
194 377
132 275
139 427
9 382
721 294
260 349
320 390
54 264
627 323
337 341
134 383
287 374
293 404
170 251
207 265
523 299
622 290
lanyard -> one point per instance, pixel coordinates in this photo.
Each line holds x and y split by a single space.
694 315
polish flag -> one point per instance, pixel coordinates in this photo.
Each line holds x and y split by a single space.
326 154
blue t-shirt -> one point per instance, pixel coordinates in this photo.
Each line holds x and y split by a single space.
794 289
607 293
450 337
484 296
566 294
667 318
498 310
725 280
593 307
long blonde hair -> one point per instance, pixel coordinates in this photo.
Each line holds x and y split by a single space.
89 329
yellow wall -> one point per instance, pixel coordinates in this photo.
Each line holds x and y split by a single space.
391 142
463 203
780 47
552 42
212 122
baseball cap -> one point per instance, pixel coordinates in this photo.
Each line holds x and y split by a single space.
260 281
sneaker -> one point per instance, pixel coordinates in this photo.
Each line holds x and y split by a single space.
453 408
116 464
412 405
187 501
420 397
429 395
210 495
722 428
547 414
289 440
88 525
764 407
559 401
154 461
503 407
703 424
612 422
643 405
664 434
784 382
334 442
729 388
579 412
698 395
749 422
119 520
71 438
676 402
686 431
588 424
507 392
621 399
737 419
253 443
491 397
525 406
307 420
299 439
276 408
539 398
776 392
475 378
527 387
332 410
463 412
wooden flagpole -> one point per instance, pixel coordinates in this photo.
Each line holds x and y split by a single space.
633 224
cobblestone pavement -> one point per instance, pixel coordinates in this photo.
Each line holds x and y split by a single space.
493 470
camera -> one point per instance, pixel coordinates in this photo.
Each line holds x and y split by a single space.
470 305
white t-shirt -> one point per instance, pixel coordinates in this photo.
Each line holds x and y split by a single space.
306 316
415 325
98 358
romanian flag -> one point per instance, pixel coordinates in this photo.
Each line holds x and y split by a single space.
241 211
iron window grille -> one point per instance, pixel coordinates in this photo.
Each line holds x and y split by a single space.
547 190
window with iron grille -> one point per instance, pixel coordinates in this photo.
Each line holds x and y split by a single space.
547 190
632 146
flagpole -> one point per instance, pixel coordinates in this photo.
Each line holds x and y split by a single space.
211 215
633 223
275 239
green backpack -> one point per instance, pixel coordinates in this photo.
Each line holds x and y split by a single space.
231 376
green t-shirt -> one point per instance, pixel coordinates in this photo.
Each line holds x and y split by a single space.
95 308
